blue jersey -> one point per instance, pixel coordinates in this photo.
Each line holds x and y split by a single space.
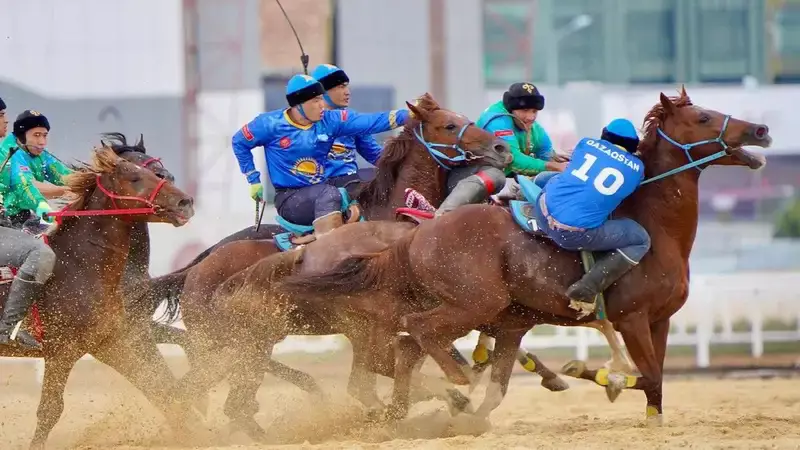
597 179
342 155
296 154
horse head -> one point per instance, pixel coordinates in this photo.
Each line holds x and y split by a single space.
452 139
689 134
111 182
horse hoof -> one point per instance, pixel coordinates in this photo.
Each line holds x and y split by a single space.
616 383
555 384
375 414
395 413
655 421
250 428
574 368
459 403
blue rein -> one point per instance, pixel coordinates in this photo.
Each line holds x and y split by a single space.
463 155
687 147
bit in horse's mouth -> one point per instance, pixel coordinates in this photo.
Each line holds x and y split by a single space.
752 160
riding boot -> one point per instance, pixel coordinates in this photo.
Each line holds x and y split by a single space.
327 223
22 295
604 273
468 191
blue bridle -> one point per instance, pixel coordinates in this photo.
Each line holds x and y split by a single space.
687 147
463 155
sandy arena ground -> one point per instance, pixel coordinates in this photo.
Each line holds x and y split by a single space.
104 412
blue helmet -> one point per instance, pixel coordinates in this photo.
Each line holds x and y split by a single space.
302 88
330 76
621 132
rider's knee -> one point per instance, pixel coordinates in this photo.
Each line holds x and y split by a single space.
330 197
493 179
542 178
45 261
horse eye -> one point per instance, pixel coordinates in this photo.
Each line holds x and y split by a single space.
704 118
450 127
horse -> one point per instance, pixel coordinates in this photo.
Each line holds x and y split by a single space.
79 308
407 162
476 267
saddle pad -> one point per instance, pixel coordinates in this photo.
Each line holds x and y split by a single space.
524 216
283 241
529 189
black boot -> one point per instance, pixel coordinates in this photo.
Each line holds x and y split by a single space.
22 295
604 273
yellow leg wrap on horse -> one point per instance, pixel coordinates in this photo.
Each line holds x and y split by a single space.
480 354
527 362
601 378
651 411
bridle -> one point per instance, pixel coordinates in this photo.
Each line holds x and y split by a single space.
150 208
463 156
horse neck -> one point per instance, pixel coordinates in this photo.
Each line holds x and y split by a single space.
420 172
137 268
94 242
668 208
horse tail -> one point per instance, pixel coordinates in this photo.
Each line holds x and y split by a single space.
167 288
356 274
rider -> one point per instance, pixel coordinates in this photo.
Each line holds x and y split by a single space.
574 209
32 174
514 120
32 256
296 142
341 165
3 120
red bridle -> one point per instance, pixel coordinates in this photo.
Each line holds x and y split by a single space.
150 209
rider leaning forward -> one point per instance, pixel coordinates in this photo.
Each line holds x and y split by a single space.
296 143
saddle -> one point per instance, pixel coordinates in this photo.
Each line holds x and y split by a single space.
297 235
524 215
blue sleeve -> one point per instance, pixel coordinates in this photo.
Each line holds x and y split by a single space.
503 127
342 123
253 134
368 147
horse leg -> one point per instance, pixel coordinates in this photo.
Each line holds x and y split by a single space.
619 358
638 337
363 382
134 355
408 354
163 333
51 402
242 403
507 343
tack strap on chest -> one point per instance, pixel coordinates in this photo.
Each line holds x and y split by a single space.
686 150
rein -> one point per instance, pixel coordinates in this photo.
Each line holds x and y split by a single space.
150 209
463 155
687 147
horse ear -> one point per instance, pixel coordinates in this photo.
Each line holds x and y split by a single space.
140 143
419 113
669 107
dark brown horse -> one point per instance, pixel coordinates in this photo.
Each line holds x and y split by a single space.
80 309
213 323
475 267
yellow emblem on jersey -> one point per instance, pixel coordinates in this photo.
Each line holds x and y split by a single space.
308 168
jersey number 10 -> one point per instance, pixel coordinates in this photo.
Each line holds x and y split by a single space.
600 181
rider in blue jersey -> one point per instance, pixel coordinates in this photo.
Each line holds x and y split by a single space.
574 209
296 143
341 165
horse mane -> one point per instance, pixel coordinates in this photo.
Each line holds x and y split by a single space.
82 183
655 118
396 150
119 144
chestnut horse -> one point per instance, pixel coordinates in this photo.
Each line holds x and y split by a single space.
406 162
80 309
476 267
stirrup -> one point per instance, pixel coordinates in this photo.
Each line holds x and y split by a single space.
583 308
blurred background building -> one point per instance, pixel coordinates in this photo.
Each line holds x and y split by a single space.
188 73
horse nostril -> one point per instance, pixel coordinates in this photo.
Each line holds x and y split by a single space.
500 148
185 203
761 131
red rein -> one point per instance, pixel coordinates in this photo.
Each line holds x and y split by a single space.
150 209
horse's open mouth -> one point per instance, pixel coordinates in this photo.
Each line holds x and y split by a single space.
750 159
176 217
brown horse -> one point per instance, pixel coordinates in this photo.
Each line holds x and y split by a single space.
80 309
405 163
475 266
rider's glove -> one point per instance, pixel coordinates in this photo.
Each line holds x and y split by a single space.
257 192
43 208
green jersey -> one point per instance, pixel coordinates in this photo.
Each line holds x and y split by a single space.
16 180
530 149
